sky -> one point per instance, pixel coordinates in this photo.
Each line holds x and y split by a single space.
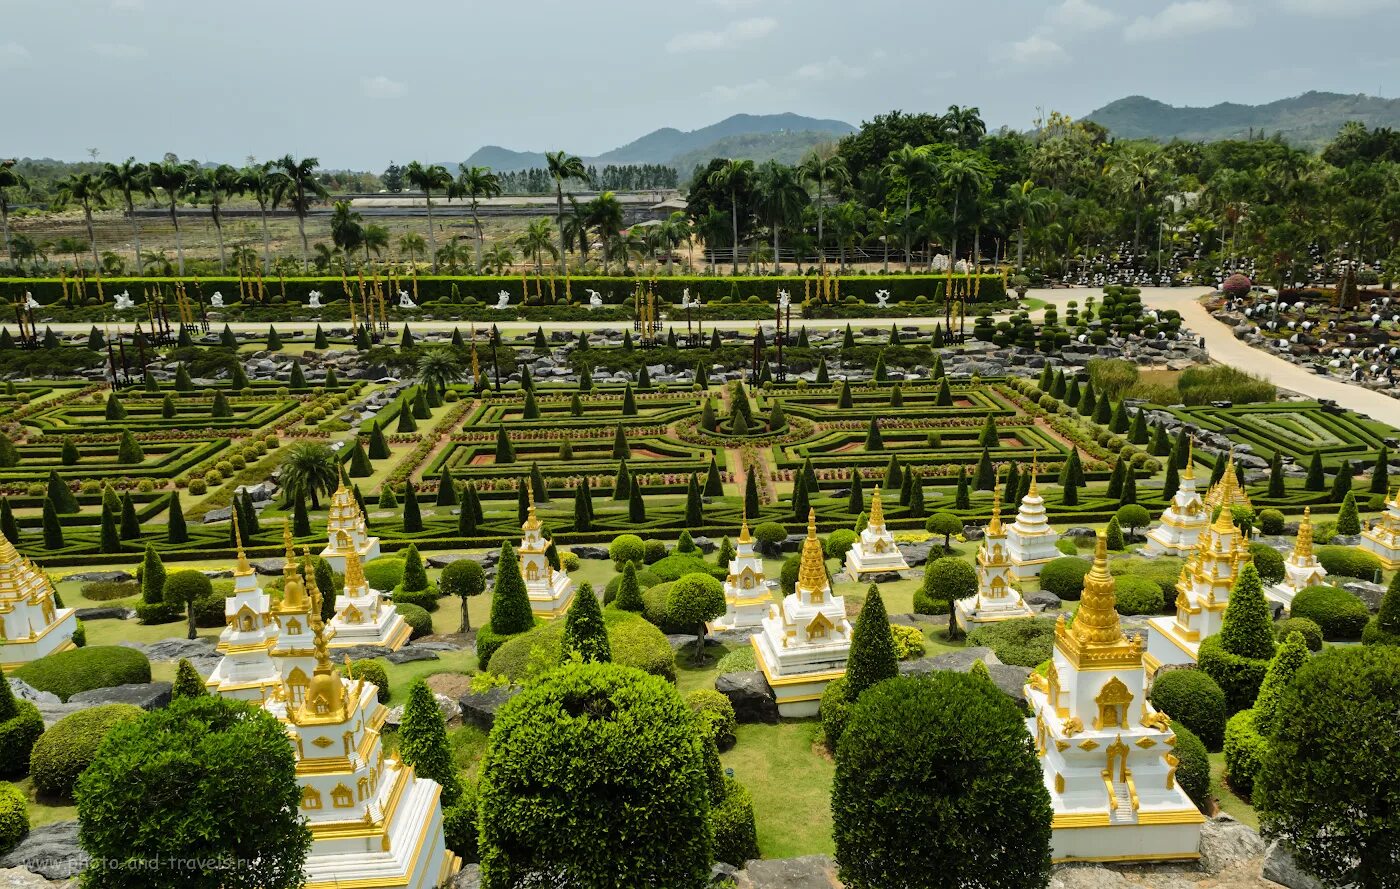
359 84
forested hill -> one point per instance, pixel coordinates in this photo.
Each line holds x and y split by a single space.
1310 120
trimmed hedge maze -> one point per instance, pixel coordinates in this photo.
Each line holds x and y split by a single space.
1295 429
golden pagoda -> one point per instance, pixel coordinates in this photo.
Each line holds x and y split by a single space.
550 591
1382 538
1301 569
346 530
997 597
874 551
31 623
1228 492
247 671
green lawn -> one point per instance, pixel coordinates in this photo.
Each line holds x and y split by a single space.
790 780
1237 808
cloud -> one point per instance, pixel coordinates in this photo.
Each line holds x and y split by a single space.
129 5
832 69
1080 15
735 4
119 51
381 87
1184 19
12 55
740 31
1338 7
1036 51
721 93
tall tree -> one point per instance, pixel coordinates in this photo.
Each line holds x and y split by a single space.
428 179
825 168
562 168
268 186
87 190
781 198
913 168
129 179
475 183
175 179
302 185
732 177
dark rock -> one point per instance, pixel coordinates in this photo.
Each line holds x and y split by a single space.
107 612
442 560
1345 539
443 642
807 872
218 515
51 851
268 567
588 551
469 877
479 708
100 577
959 661
26 692
751 695
792 543
702 543
450 710
361 652
146 695
1043 598
1370 593
973 533
409 654
919 553
1079 532
1011 679
881 577
174 649
682 640
1226 842
1279 866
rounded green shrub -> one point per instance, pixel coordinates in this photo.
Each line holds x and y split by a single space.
1193 699
14 817
1339 613
645 579
68 748
17 737
740 660
372 671
838 542
1239 677
1346 561
833 710
425 599
1065 577
626 548
66 673
1022 641
945 581
909 643
1138 595
1270 521
1193 766
677 565
1244 752
420 622
526 657
1308 628
1268 561
716 714
733 825
459 822
384 573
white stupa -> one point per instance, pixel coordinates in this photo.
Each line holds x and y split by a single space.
1202 592
806 637
1030 540
247 671
1184 519
874 551
292 650
31 623
550 591
997 597
1382 539
346 530
1105 752
746 595
362 615
1301 569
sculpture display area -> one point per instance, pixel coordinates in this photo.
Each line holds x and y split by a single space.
1382 538
874 551
346 530
1183 521
1106 753
806 637
1301 569
746 595
997 597
550 591
31 623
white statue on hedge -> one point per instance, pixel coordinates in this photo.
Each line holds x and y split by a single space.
29 301
882 298
313 299
124 301
405 301
502 299
595 299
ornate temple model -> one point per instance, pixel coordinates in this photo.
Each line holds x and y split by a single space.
746 596
247 670
806 638
1184 519
550 591
874 551
1227 491
1382 538
362 616
346 530
1202 591
997 597
1106 754
373 821
292 650
1030 540
31 623
1301 569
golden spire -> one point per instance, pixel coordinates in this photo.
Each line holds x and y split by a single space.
8 554
1396 499
811 575
1190 470
532 521
1096 622
293 593
325 696
1034 490
354 571
877 511
744 536
1303 548
994 528
243 569
1225 522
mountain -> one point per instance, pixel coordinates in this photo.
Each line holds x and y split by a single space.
1309 120
757 137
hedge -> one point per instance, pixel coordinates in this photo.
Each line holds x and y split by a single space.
1306 627
635 643
1239 677
833 711
1346 561
67 673
716 713
740 660
68 748
384 573
1195 700
14 817
1193 766
459 823
1339 613
424 599
17 737
645 579
1022 641
1244 752
732 823
372 671
1065 577
420 621
1137 595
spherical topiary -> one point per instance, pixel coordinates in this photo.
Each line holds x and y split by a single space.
653 551
14 817
384 573
1193 699
677 565
1137 595
1270 521
528 656
1268 561
372 671
420 622
69 747
733 825
614 736
1239 677
66 673
1023 641
1065 577
925 747
20 726
1340 614
908 642
626 548
1307 627
1236 285
1193 766
945 581
716 714
838 542
1346 561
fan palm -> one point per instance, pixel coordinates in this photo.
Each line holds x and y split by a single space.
9 178
326 257
605 212
824 167
215 185
301 186
846 221
1138 173
413 244
965 125
433 177
562 167
87 190
268 186
577 228
713 228
781 197
346 231
308 470
439 368
731 177
536 240
670 234
913 168
129 179
72 246
475 183
499 259
885 227
376 238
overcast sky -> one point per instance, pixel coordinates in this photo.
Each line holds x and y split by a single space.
358 84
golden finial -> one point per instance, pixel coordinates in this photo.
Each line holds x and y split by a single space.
287 541
877 511
243 569
1034 490
293 592
1096 621
811 575
744 536
1190 470
532 521
325 696
1303 548
994 527
354 571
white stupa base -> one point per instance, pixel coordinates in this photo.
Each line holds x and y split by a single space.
1026 568
244 680
969 616
336 558
744 614
799 675
1164 540
1386 550
390 631
56 637
859 562
1131 841
550 599
1281 593
1166 646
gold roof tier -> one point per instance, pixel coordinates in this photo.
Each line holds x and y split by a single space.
1227 491
243 569
19 577
1303 547
354 571
744 536
1190 470
1034 490
811 575
994 527
293 593
1096 639
877 510
532 520
325 695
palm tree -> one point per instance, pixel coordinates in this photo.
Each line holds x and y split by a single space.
965 172
9 178
731 177
128 178
475 183
605 212
413 244
302 185
824 167
87 189
1025 203
965 125
780 197
885 227
563 166
308 469
1138 174
268 186
72 246
217 184
173 178
499 259
427 179
346 231
712 228
374 237
913 168
439 368
670 234
536 240
577 226
326 257
846 220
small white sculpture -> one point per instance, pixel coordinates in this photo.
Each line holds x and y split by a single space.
883 298
124 301
940 262
687 302
783 299
29 301
405 301
314 299
595 299
961 266
502 299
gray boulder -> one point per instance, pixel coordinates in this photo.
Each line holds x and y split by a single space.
959 661
807 872
51 851
268 567
1079 532
362 652
1043 598
450 710
107 612
22 878
409 654
469 877
174 649
1281 867
1011 679
1088 876
702 543
589 551
146 695
100 577
751 695
479 708
1368 592
1226 842
916 554
26 692
442 560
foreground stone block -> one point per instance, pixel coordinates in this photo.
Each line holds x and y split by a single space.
479 708
51 852
751 695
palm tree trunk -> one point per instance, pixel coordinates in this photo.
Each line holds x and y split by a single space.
267 243
777 261
179 246
1021 247
734 214
219 230
301 227
821 212
976 248
135 233
477 224
887 255
906 234
5 227
432 237
953 256
559 221
92 238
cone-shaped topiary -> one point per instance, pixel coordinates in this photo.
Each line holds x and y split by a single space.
872 658
1348 520
1288 660
629 591
415 577
412 513
585 635
510 603
423 740
1246 629
188 683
